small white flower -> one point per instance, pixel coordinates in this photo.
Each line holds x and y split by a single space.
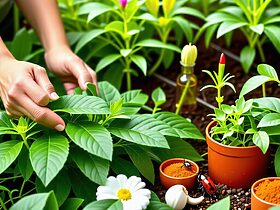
130 191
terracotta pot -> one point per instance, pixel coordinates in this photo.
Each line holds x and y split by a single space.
237 167
256 202
168 181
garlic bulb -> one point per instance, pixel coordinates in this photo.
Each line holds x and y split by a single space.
177 197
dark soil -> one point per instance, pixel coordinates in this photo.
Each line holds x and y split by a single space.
208 59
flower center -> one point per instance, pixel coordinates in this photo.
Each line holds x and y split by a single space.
124 194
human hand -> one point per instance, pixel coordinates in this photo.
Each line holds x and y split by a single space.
26 90
69 68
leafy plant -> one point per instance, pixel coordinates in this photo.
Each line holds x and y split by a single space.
104 134
257 21
222 204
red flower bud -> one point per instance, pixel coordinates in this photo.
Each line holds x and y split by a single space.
222 59
123 3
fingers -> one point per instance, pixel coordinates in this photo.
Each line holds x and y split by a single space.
41 78
81 72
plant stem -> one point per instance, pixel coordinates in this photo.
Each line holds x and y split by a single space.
154 68
263 90
21 189
259 45
128 79
16 18
182 98
2 204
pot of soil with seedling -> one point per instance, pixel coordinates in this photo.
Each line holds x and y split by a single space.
265 193
237 148
178 171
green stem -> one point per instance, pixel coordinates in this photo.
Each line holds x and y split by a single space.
13 177
2 204
154 68
205 6
21 189
263 90
219 97
16 18
128 79
182 98
259 46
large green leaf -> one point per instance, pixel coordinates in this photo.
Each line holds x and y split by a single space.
5 120
107 60
188 11
93 167
247 57
178 148
182 126
270 103
267 70
157 44
140 61
185 26
122 166
222 204
142 161
87 37
72 204
91 137
261 139
48 155
94 9
272 33
60 185
155 203
142 137
252 84
105 204
277 162
226 27
108 92
80 104
158 96
24 164
115 26
82 186
9 151
270 119
21 45
39 201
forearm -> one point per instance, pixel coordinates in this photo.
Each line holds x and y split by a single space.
44 17
4 52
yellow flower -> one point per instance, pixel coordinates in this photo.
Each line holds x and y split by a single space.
189 55
153 6
168 6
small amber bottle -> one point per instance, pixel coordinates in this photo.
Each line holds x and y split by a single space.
186 78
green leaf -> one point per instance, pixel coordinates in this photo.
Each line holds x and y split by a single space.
82 186
95 168
108 92
157 205
261 139
140 61
182 126
270 119
141 137
226 27
24 164
157 44
253 83
48 155
105 204
122 166
115 26
60 185
91 137
125 52
97 9
188 11
270 103
277 162
107 60
185 27
87 37
222 204
271 32
80 104
247 57
9 151
267 70
72 204
257 28
209 34
158 96
142 161
21 45
178 148
39 201
5 120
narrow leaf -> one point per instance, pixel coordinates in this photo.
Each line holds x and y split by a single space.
247 57
140 61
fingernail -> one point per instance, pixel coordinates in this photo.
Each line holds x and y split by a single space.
54 96
86 83
59 127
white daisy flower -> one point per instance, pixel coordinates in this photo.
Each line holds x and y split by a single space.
130 191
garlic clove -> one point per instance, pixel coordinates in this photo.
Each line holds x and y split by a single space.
176 197
195 201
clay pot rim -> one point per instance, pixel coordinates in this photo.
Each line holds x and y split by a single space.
178 160
258 182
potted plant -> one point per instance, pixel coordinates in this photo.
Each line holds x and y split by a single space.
237 148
